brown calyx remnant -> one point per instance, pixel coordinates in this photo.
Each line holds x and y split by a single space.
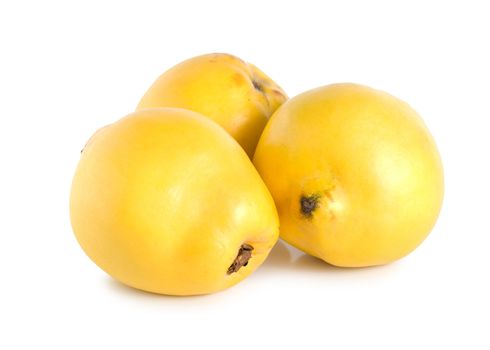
244 254
257 86
309 204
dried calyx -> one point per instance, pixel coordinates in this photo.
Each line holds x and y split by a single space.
257 86
309 204
244 254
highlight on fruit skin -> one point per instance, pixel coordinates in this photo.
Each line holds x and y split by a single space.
165 201
235 94
355 174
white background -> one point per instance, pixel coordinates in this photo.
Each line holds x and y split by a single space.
67 68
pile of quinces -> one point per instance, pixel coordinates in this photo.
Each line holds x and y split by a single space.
188 194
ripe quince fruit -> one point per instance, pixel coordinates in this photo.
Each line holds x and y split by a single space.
164 200
233 93
355 174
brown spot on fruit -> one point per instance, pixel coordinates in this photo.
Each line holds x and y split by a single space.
238 79
278 93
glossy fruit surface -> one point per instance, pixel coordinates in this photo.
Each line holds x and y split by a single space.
233 93
355 174
164 200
